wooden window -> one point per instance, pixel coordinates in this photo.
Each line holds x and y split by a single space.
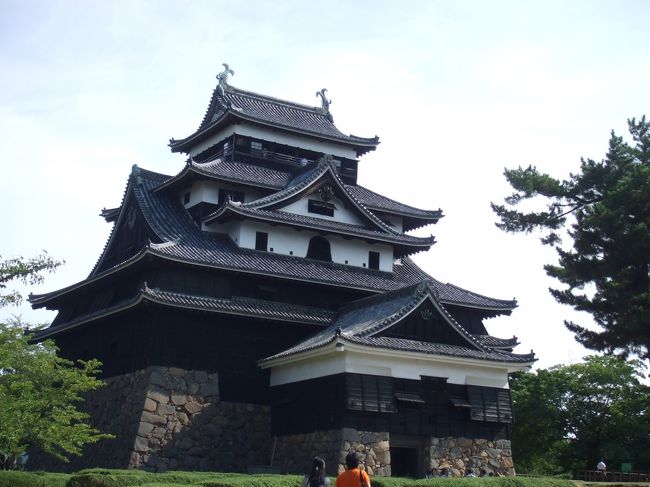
261 240
256 146
369 393
186 198
490 404
320 207
373 260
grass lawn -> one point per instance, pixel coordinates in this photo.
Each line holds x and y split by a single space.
128 478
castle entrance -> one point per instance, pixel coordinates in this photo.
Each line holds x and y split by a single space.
406 456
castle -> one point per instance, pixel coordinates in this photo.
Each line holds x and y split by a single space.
260 307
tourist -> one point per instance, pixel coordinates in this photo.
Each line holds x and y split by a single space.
353 475
316 477
602 469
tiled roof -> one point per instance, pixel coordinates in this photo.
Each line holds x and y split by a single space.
494 342
283 217
307 180
365 319
233 172
241 306
375 201
273 112
443 349
250 174
183 241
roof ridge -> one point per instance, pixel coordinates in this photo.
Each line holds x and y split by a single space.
303 106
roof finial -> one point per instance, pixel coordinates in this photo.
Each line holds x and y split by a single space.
223 78
325 103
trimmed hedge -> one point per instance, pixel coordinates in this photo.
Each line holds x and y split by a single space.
473 482
138 478
126 478
12 478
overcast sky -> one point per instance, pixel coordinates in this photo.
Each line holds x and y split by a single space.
456 91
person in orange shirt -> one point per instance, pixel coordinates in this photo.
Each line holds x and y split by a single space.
353 475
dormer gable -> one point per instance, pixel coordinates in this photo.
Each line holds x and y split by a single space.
368 335
315 217
413 313
321 185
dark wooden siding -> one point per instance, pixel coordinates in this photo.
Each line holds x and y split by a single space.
427 325
398 406
156 335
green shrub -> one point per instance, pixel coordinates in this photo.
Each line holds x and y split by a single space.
264 480
127 478
472 482
11 478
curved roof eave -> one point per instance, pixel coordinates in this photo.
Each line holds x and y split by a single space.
183 301
234 209
519 362
361 145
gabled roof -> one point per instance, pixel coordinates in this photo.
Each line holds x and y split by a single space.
264 209
364 321
407 244
275 179
305 182
180 240
232 172
229 105
412 218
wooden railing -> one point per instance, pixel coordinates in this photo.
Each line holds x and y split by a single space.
598 476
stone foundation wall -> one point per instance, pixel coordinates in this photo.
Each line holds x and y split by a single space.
184 426
459 454
169 418
115 408
294 453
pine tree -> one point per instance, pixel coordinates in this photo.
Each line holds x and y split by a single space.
606 207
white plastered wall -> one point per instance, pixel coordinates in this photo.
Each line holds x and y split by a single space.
208 192
386 364
341 214
288 241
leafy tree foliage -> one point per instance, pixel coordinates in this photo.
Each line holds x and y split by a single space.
569 417
26 271
607 270
39 391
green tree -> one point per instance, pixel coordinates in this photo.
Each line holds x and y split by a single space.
26 271
39 391
568 417
607 270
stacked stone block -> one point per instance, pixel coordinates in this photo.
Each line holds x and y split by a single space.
185 426
459 454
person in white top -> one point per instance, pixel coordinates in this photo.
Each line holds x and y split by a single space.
316 477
